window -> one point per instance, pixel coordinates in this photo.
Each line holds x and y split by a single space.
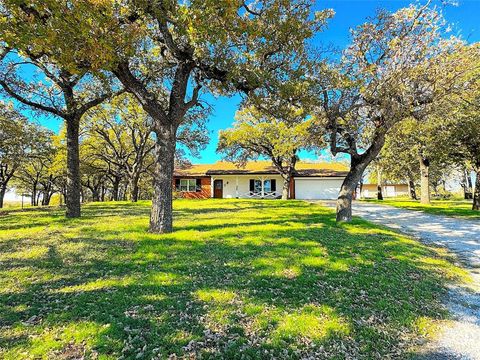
189 185
267 186
257 188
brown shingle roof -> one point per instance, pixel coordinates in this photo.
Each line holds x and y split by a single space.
302 168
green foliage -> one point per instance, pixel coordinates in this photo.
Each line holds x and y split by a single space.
256 135
238 278
16 137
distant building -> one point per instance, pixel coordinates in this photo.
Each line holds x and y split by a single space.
390 190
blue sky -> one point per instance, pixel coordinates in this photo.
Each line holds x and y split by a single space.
465 19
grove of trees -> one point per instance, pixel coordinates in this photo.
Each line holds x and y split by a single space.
128 80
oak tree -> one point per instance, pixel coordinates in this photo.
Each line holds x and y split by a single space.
255 135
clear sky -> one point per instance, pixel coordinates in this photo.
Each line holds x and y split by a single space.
465 20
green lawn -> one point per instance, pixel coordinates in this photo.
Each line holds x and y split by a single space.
454 208
238 280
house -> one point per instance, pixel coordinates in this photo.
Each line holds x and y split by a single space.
388 190
259 179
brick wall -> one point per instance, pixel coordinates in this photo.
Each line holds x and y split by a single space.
205 193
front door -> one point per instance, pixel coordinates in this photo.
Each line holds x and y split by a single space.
218 189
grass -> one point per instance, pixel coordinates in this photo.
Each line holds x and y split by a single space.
454 208
238 279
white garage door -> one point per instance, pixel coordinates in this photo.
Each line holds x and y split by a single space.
317 188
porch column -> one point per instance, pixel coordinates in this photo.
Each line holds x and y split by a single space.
263 190
211 187
236 186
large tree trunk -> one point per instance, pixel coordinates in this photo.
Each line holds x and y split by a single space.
358 165
72 199
424 180
115 188
476 193
134 187
161 217
379 184
347 191
286 186
3 190
411 189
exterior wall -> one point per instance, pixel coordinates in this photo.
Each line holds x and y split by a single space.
239 186
317 188
230 185
204 193
370 190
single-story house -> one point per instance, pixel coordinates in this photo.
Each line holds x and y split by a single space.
258 179
388 190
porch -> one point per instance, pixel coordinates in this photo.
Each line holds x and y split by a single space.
250 186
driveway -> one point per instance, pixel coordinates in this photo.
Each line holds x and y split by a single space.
461 338
460 236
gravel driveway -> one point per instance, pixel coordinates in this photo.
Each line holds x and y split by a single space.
461 339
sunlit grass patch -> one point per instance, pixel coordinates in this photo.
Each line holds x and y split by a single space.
251 278
311 322
215 296
454 208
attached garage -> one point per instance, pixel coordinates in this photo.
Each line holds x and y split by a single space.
317 188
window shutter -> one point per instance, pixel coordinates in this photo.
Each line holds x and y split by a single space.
177 184
199 185
252 185
273 184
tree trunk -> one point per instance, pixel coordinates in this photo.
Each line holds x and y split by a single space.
33 200
411 189
72 199
3 190
286 186
379 184
115 188
95 194
476 193
347 190
161 217
134 188
424 180
358 164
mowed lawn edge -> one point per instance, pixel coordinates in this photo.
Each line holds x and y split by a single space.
461 209
237 279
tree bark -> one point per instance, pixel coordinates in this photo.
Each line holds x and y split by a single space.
411 189
358 164
161 217
72 199
347 190
476 193
134 188
424 180
33 199
286 186
3 190
115 188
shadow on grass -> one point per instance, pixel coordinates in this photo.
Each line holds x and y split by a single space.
237 279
